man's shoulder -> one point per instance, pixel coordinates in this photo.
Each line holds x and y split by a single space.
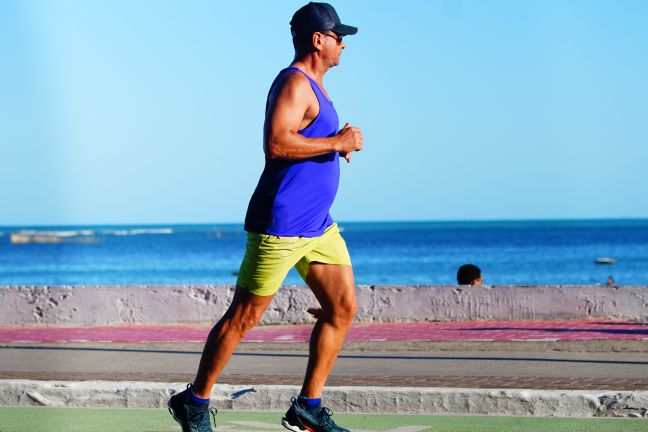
291 80
292 85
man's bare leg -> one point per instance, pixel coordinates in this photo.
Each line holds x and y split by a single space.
333 286
243 314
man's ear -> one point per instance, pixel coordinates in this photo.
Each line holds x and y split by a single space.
318 41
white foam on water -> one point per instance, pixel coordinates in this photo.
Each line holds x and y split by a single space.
87 232
49 233
139 231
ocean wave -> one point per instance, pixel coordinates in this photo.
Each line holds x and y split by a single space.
139 231
77 236
52 233
53 237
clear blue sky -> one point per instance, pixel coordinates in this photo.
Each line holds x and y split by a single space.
115 112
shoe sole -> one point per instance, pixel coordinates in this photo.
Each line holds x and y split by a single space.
284 423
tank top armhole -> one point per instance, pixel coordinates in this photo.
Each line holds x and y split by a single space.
315 90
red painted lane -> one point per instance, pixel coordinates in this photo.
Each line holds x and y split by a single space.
430 331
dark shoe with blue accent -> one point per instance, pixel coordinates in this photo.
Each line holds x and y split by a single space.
298 419
192 418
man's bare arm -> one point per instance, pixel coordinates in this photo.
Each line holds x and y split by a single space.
288 106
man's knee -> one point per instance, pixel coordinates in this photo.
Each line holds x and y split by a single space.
250 317
244 312
241 322
344 310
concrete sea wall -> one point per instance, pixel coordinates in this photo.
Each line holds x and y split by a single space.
203 304
385 400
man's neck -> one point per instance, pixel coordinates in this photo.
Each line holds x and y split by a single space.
312 65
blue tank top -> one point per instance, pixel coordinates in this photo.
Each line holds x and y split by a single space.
294 196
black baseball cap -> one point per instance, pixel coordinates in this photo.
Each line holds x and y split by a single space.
318 17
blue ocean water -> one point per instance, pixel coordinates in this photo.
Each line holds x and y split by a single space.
520 252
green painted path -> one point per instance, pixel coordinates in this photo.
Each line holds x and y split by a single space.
158 420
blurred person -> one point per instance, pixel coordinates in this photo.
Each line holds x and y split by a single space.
469 274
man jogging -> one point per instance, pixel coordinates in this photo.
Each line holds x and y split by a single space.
288 225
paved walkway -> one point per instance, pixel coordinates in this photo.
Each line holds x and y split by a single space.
555 330
171 352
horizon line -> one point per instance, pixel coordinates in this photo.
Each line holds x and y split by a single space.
394 221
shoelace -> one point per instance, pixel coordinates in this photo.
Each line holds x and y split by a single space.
195 418
325 415
213 412
198 418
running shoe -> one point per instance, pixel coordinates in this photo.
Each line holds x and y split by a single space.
191 418
298 419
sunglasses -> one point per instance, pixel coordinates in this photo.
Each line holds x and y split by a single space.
337 37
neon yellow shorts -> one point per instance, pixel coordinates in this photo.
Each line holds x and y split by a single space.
268 258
